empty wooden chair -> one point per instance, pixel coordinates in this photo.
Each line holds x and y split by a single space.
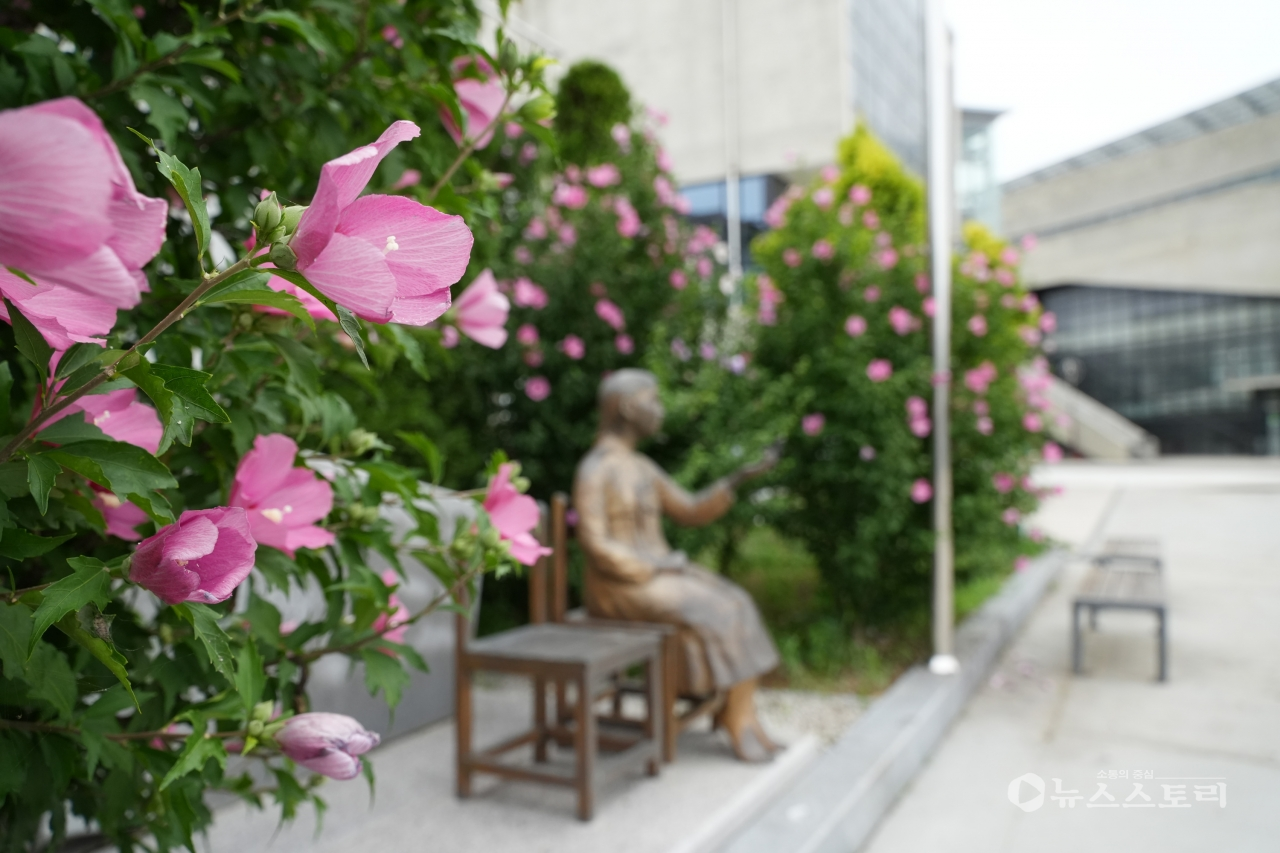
588 661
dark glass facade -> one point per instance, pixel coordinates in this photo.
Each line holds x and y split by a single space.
1199 371
707 206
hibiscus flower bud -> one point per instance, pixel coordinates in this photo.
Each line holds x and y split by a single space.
267 216
328 744
202 557
283 256
290 216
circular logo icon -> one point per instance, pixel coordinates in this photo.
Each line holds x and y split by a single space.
1016 792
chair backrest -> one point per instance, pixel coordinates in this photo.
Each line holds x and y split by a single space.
549 579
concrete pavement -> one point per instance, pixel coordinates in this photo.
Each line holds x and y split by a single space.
1217 720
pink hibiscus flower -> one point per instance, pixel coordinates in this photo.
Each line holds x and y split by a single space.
481 312
386 258
514 515
283 502
480 97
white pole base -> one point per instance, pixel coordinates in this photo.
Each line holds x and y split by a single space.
944 665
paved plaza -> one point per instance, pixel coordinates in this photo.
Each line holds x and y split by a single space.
1214 721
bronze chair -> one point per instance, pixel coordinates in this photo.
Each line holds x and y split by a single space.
591 660
676 720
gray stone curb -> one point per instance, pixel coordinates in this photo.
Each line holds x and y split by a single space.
837 803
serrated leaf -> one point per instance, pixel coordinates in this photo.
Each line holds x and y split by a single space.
351 325
105 652
301 361
411 348
123 468
383 672
187 183
77 356
204 622
189 386
70 429
51 679
20 545
15 637
197 751
154 504
29 340
89 582
41 472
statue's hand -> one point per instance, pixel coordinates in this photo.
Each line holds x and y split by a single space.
768 460
673 563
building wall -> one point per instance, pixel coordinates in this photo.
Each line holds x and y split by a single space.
793 73
1201 214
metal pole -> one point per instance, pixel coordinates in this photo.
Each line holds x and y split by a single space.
732 178
940 166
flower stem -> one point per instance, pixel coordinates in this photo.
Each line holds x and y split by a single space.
108 371
469 148
117 736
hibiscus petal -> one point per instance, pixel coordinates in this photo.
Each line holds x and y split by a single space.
304 498
341 182
53 191
354 274
263 470
307 537
431 251
193 539
231 561
101 275
62 316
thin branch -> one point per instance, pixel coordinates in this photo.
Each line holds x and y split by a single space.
168 59
470 147
18 593
33 426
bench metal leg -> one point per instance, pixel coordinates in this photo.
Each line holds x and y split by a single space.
1077 651
1163 637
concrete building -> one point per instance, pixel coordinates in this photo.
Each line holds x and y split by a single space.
1160 255
760 90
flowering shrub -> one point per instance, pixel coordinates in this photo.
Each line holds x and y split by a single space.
173 444
845 307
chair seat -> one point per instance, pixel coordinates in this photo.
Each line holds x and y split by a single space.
597 648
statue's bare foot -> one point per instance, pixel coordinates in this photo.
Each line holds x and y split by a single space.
766 741
747 745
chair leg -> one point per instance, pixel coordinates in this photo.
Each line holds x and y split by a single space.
585 748
1093 618
656 708
540 718
670 686
462 728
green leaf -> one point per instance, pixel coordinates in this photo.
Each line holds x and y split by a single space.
301 26
77 357
180 399
41 472
275 566
410 347
351 325
211 57
154 504
20 274
188 385
264 619
250 675
268 297
187 183
15 758
428 449
71 428
13 479
383 672
15 637
89 582
29 340
51 679
195 754
121 467
20 545
205 623
301 361
106 653
6 386
165 113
